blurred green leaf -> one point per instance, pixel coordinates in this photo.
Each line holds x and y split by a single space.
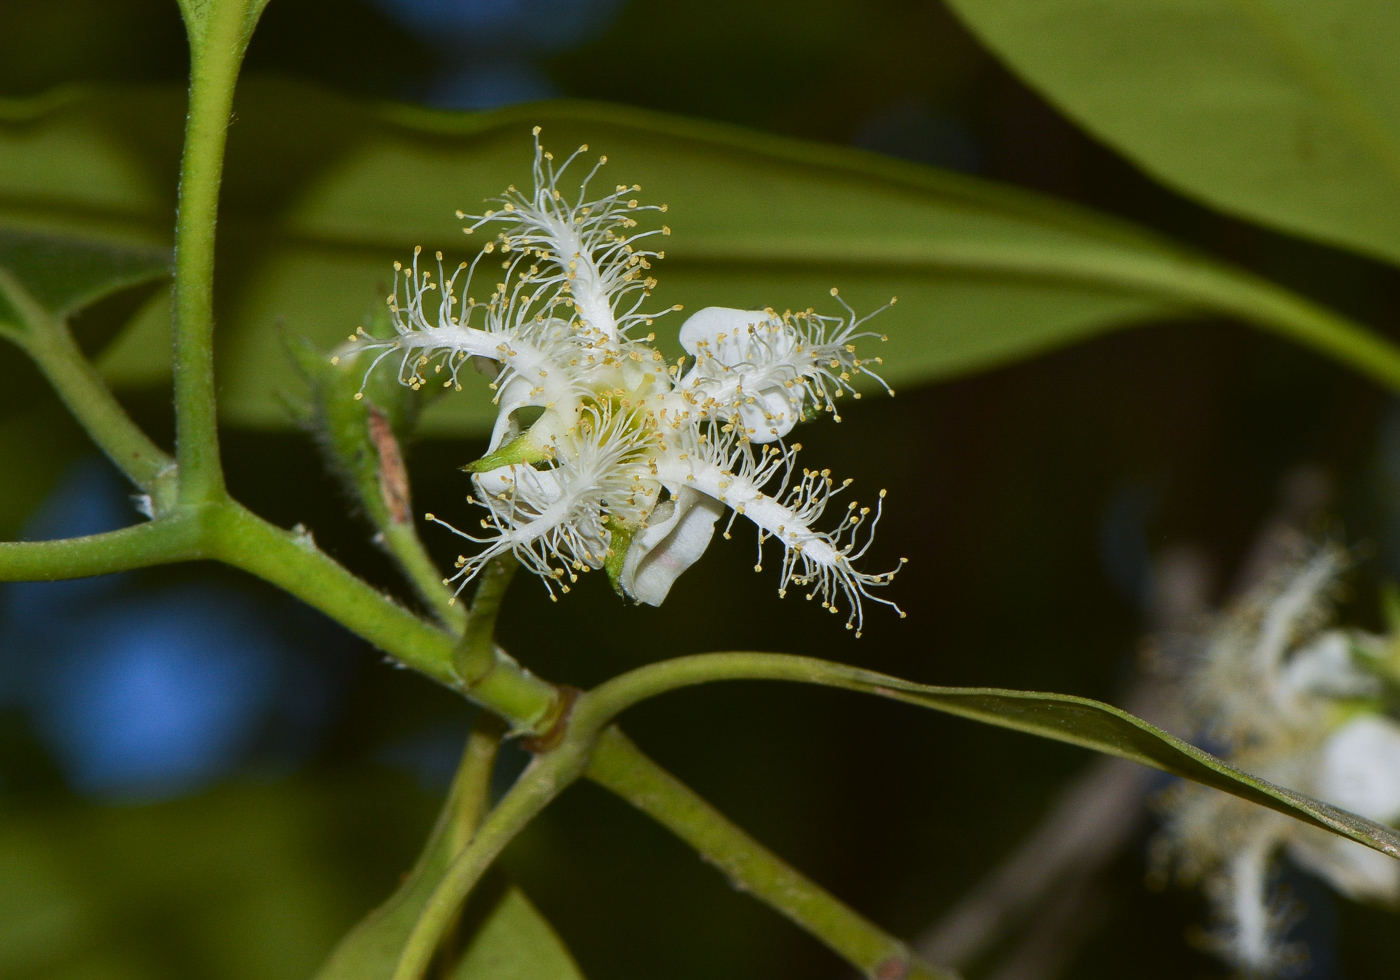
498 935
229 885
322 194
504 937
64 273
512 941
1286 112
36 446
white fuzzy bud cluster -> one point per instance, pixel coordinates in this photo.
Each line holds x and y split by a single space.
1284 697
604 454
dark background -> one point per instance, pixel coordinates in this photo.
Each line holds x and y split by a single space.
1030 501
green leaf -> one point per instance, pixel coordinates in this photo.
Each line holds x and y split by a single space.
512 941
65 274
506 938
1286 112
499 936
57 275
1061 717
322 194
1112 731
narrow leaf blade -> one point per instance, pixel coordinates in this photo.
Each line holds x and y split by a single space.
1112 731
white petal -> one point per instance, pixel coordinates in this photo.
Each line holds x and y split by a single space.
515 395
543 485
1326 667
706 325
1361 768
669 545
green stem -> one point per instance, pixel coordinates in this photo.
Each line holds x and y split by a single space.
418 567
467 802
48 341
476 655
219 32
623 768
1202 285
471 788
291 560
368 949
612 697
545 778
170 539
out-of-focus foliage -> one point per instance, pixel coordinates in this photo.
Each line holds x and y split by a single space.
1021 478
1286 112
63 275
46 440
986 274
175 889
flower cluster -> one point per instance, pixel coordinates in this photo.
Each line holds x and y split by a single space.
1300 704
605 455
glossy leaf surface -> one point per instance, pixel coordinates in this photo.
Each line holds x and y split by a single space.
1286 112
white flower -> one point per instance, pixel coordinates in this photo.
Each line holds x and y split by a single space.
604 455
1296 704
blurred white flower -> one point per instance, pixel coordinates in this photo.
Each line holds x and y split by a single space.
603 455
1286 698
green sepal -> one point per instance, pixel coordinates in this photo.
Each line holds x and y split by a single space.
620 540
521 449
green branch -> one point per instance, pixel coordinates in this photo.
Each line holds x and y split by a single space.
406 547
291 561
544 779
477 656
469 798
171 539
48 341
218 32
623 768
